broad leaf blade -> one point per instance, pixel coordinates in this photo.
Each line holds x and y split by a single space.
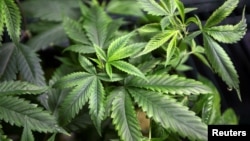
127 51
16 111
157 41
118 44
96 26
124 117
171 114
72 79
128 68
76 99
152 7
221 13
221 63
172 84
75 31
18 88
96 104
12 18
29 66
228 33
86 64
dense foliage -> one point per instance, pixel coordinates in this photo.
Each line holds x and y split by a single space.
109 73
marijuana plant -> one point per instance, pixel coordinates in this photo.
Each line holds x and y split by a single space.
111 74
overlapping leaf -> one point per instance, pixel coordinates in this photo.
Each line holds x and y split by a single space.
152 7
221 63
27 133
124 117
96 26
79 48
158 40
8 62
128 68
172 84
75 31
170 114
96 104
29 65
228 33
18 111
18 88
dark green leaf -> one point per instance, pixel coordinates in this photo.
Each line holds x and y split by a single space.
18 88
27 133
124 117
172 84
18 111
8 69
170 114
75 31
221 63
78 48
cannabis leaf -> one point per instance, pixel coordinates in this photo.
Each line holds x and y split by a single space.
221 63
12 18
170 114
18 111
152 7
18 88
124 117
222 12
228 33
172 84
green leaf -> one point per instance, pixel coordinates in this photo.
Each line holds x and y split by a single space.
115 77
12 19
18 111
96 104
152 7
172 84
78 48
128 68
52 138
170 6
117 45
75 31
221 63
222 12
53 36
72 80
8 61
100 53
96 26
127 51
129 8
228 33
86 64
108 70
78 96
53 10
157 41
181 9
27 133
229 117
170 114
29 66
150 28
18 88
124 117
